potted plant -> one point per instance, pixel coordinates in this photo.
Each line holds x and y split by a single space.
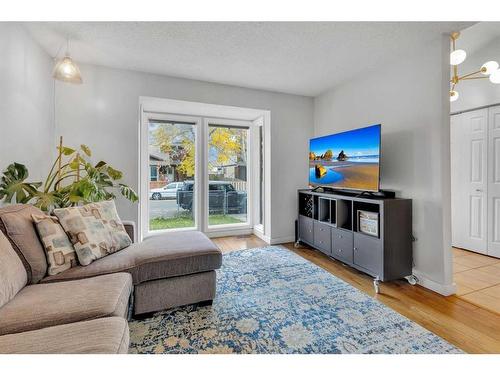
73 180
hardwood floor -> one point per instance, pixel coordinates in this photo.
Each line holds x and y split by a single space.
478 278
471 328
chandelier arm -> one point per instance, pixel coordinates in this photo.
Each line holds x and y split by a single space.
467 78
470 74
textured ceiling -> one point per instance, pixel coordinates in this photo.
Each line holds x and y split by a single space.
304 58
478 36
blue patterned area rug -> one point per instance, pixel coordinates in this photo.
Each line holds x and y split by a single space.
270 300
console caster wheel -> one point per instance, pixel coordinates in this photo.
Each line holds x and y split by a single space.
412 279
376 285
296 244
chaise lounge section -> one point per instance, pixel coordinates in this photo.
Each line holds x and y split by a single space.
167 270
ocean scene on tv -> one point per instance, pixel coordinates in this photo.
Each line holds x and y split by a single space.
348 160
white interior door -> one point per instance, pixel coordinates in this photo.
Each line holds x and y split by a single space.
494 182
469 148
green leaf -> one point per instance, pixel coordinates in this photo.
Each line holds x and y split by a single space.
114 174
74 164
100 164
13 185
86 150
48 201
67 151
128 193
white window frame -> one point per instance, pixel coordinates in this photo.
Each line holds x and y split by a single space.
250 173
196 112
144 157
258 223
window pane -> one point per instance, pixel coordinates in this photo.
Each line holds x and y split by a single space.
227 172
172 152
153 175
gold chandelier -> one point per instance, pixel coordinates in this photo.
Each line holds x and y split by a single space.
457 56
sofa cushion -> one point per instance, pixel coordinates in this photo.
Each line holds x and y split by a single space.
17 225
59 250
157 257
43 305
13 275
94 229
99 336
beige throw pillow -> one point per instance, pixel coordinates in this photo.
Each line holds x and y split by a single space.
59 250
95 230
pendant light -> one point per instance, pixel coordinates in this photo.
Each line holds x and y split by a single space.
66 69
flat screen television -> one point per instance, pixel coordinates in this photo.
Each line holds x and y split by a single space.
349 160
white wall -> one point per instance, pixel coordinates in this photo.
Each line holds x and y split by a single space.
477 92
103 113
26 102
409 97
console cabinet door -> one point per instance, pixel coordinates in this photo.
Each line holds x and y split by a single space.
322 237
342 243
368 253
306 229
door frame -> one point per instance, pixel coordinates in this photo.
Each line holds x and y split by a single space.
493 184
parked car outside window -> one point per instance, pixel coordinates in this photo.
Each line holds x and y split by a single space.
168 191
222 197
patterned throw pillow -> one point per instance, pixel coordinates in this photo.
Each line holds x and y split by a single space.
95 230
59 250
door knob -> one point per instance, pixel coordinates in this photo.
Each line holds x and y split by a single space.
479 190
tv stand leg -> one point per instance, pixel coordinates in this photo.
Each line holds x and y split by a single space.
376 285
296 244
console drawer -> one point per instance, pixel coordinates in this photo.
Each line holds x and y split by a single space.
322 237
306 229
342 245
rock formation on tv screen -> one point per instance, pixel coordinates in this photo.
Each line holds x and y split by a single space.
342 156
319 170
328 155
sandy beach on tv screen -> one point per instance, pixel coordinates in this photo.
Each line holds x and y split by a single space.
359 176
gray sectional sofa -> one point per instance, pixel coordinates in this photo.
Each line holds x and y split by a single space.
84 309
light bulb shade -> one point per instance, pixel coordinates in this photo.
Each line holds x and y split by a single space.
489 67
495 76
67 71
457 57
453 95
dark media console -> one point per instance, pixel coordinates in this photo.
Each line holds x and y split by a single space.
370 233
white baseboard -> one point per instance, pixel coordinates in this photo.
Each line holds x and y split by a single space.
261 235
443 289
280 240
275 240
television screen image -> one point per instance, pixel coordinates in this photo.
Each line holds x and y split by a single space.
348 160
